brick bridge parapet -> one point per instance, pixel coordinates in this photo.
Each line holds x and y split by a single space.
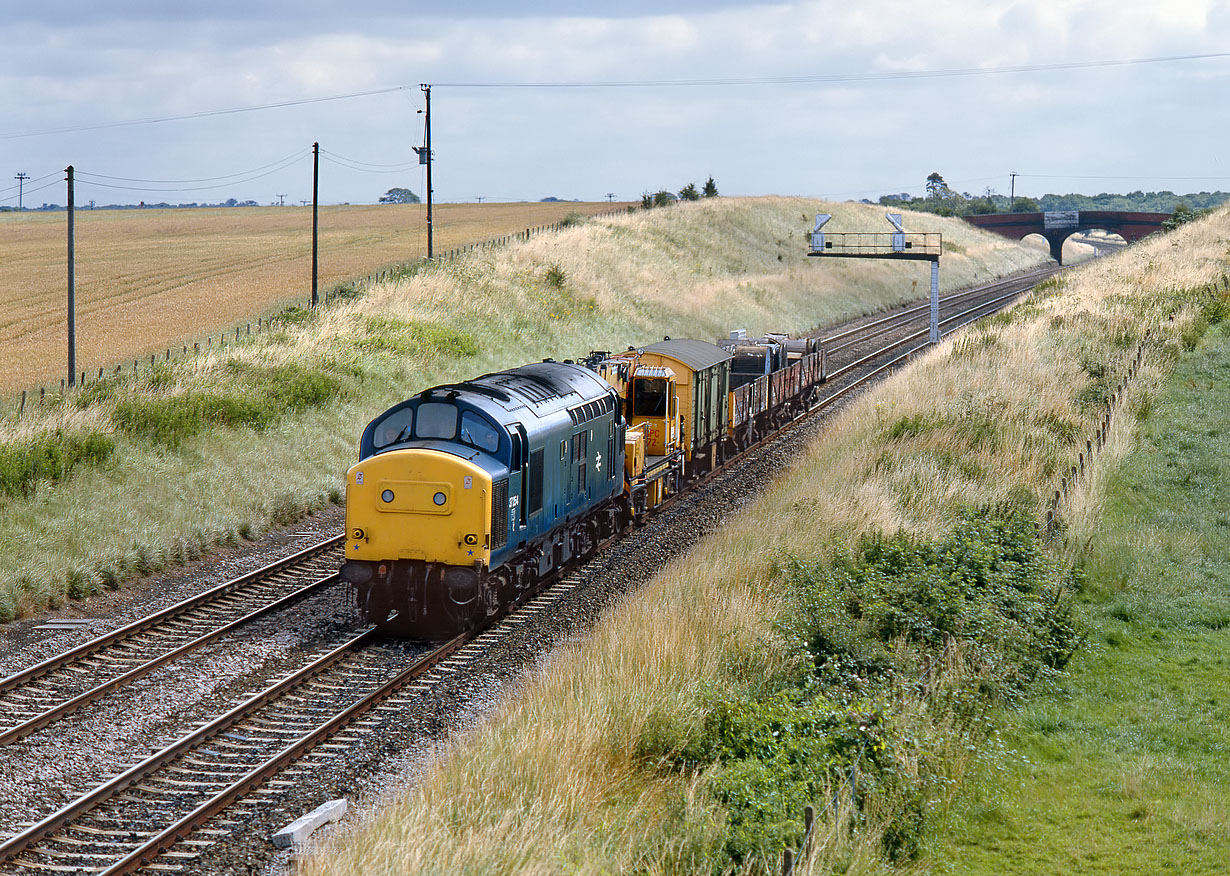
1057 225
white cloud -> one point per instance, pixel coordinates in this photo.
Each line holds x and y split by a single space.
152 59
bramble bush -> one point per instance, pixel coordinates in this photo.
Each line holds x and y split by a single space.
864 623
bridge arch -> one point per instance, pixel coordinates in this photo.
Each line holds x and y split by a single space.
1058 226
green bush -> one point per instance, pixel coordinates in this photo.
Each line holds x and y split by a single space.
49 458
988 584
866 622
416 338
264 395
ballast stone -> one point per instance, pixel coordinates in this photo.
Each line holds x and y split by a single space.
299 830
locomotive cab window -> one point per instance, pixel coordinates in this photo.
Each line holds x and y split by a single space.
437 420
650 397
478 432
393 428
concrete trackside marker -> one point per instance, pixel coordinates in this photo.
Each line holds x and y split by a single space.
298 831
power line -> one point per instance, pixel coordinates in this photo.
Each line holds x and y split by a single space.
822 78
393 168
31 181
224 185
205 113
354 161
30 191
814 79
289 159
1150 177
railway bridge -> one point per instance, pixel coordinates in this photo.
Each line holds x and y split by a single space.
1056 226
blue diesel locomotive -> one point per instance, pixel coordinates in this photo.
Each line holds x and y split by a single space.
467 495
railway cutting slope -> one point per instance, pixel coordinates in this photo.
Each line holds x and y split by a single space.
845 640
154 470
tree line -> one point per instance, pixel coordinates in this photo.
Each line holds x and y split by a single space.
945 201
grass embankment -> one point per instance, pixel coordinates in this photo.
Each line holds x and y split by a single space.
131 475
1122 768
850 640
148 280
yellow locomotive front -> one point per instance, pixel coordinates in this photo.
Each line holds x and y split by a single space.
418 538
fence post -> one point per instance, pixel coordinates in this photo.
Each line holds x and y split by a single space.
22 409
809 822
787 862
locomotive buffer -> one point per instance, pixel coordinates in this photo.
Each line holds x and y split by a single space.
891 245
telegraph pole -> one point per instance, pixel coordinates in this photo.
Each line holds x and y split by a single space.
315 212
425 158
21 182
1012 191
72 288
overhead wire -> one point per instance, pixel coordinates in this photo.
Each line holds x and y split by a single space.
386 168
290 159
30 191
231 183
355 161
72 129
29 181
819 78
822 78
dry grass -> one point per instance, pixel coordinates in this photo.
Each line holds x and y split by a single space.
552 783
152 279
696 269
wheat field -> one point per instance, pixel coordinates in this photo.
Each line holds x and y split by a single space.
147 280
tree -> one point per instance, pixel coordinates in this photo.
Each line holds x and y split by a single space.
710 189
399 196
689 193
1025 205
663 198
936 187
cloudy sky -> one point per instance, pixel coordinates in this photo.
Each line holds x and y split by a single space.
580 99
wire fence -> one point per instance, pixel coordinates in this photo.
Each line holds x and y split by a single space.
1079 471
343 291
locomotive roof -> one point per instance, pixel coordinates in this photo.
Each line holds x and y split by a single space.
544 386
695 354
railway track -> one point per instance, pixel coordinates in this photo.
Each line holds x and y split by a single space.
174 805
39 695
156 809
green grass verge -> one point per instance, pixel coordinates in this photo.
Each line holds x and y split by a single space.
1123 768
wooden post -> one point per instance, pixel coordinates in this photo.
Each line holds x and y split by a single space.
315 218
72 285
22 409
787 862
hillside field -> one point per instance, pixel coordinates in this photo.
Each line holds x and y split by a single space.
152 279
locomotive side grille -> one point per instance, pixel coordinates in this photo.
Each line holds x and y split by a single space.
499 514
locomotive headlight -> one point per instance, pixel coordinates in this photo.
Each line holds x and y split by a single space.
471 538
438 498
358 534
387 496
